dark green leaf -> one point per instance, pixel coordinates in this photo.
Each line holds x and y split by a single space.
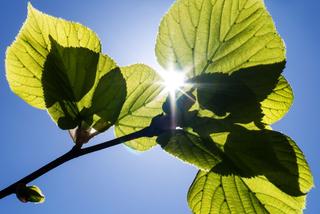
190 148
82 88
258 94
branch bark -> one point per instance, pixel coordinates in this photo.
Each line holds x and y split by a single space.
75 152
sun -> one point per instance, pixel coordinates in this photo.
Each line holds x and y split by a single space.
173 80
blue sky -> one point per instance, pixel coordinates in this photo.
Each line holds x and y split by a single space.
116 180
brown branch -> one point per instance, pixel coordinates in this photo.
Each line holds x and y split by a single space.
74 153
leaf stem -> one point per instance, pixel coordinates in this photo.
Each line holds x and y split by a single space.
74 153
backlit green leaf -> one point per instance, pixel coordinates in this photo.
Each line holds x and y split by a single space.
191 148
213 144
271 154
205 36
215 193
217 36
82 88
277 103
258 152
25 58
143 102
257 94
270 87
264 172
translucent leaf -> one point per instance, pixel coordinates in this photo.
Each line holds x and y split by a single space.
26 56
257 94
263 172
253 152
258 152
143 102
235 57
259 171
215 193
270 87
271 154
82 88
228 98
215 145
205 36
277 103
191 149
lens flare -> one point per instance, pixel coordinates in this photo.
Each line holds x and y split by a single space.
174 84
173 81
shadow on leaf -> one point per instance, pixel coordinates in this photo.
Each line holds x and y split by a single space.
237 97
77 93
247 150
263 152
250 153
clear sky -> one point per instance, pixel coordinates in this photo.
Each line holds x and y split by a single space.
118 181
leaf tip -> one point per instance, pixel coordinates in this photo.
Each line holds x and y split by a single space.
30 7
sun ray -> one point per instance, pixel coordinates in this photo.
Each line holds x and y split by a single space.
174 82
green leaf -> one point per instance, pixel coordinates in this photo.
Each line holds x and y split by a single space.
231 37
258 94
235 57
143 102
82 88
205 36
26 56
30 194
271 89
215 193
252 151
191 149
271 154
251 176
259 152
277 103
109 95
213 145
228 98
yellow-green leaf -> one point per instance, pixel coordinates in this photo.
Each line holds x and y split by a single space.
26 56
190 148
277 103
205 36
143 102
271 154
257 94
82 88
215 193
